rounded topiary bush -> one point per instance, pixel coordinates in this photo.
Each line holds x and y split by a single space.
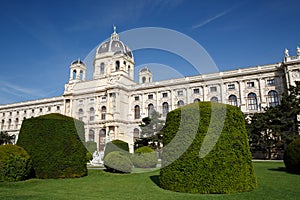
144 157
116 145
15 163
53 143
292 156
224 167
118 162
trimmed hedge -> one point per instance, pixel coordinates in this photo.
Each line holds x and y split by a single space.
54 145
227 168
116 145
292 157
118 162
91 146
15 163
144 157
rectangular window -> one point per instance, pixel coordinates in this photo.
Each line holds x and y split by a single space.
231 86
92 100
196 91
180 93
213 89
271 81
164 94
150 96
136 98
250 84
103 99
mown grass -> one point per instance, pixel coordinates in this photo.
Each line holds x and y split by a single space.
274 183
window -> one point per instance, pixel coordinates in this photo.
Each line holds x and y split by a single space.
250 84
92 100
196 91
117 65
74 74
41 110
165 107
180 103
136 98
231 86
214 99
252 101
101 68
2 124
31 111
81 75
213 89
49 109
232 100
17 112
164 95
273 98
80 114
92 114
196 100
150 96
9 124
57 107
144 79
91 135
24 112
103 113
102 138
137 112
180 93
136 134
103 99
271 82
150 110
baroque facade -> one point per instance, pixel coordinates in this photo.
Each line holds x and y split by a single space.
113 104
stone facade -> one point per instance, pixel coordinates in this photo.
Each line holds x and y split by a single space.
113 104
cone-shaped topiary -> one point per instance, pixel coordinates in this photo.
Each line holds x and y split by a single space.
15 163
211 154
292 157
116 145
54 145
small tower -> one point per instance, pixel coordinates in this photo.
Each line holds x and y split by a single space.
145 75
77 71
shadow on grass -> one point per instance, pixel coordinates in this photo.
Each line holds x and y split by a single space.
283 169
155 179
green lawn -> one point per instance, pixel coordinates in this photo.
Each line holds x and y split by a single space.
274 183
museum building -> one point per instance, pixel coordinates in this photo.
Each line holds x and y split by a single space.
113 103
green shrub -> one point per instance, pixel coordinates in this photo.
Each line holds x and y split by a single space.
91 146
116 145
227 168
54 145
118 162
292 157
89 156
15 163
144 157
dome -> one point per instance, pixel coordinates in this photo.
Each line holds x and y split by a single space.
114 45
78 61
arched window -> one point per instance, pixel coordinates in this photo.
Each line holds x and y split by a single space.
92 114
17 122
2 124
214 99
150 110
91 135
80 114
117 65
101 68
103 113
196 100
180 103
165 108
252 101
232 100
81 75
136 134
9 124
137 112
74 74
102 137
144 79
273 98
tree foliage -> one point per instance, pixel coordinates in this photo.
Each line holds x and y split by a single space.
274 129
151 131
5 138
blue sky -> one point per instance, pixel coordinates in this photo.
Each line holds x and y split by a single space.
39 39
